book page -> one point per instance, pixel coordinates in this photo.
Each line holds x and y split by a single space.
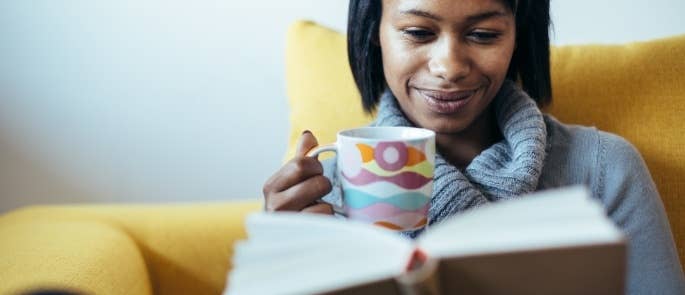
556 218
293 253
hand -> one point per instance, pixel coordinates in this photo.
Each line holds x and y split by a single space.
299 183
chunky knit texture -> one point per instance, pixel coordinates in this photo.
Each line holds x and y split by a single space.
505 170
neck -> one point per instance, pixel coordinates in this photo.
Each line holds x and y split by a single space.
459 149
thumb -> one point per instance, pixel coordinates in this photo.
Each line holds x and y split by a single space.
305 144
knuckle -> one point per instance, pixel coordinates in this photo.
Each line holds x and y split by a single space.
275 205
269 206
269 184
319 209
266 189
298 166
317 166
323 185
326 208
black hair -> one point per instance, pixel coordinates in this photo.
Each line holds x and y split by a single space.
529 63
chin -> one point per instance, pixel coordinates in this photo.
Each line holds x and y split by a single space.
446 125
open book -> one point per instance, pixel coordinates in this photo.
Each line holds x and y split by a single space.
554 242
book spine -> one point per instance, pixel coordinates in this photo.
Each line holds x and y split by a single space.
417 259
421 277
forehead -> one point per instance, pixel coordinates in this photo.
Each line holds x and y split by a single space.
446 9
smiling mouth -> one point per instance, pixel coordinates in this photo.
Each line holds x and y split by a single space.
446 95
446 102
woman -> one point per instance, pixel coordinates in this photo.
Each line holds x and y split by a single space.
448 66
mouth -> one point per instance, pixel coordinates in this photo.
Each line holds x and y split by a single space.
446 102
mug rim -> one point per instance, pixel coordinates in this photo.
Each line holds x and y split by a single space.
427 133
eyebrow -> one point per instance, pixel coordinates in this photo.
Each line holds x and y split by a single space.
470 18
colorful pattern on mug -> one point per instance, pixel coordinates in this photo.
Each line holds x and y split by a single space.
388 183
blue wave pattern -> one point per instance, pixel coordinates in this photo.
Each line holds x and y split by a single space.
356 199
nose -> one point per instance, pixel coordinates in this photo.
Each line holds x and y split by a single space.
449 61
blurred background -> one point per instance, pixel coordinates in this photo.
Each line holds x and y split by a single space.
178 101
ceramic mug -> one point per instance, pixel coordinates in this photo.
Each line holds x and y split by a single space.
386 175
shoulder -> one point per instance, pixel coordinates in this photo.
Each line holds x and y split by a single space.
606 162
570 137
590 145
573 152
577 140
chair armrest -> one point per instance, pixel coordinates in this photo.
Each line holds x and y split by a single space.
176 248
81 256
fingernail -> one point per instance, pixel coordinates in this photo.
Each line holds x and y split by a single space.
305 132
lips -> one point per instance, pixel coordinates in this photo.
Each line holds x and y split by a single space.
446 95
446 102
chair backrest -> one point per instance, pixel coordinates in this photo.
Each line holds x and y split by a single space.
636 90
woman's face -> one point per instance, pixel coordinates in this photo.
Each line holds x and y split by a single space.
445 60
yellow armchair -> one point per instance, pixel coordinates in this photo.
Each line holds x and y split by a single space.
120 249
636 90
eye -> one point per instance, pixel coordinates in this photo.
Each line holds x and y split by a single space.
418 35
484 37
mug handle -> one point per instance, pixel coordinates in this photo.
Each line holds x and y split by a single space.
315 153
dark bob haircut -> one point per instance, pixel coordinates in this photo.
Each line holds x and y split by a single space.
529 64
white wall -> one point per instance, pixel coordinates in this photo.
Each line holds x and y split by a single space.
156 101
615 21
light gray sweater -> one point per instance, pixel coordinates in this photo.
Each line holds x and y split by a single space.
609 165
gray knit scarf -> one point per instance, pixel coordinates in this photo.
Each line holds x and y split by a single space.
505 170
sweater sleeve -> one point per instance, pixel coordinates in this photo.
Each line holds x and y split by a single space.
628 192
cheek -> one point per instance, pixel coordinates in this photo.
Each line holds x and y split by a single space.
392 62
494 62
493 66
400 63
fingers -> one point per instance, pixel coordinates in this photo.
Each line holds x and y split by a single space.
299 182
306 142
319 208
295 171
300 195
